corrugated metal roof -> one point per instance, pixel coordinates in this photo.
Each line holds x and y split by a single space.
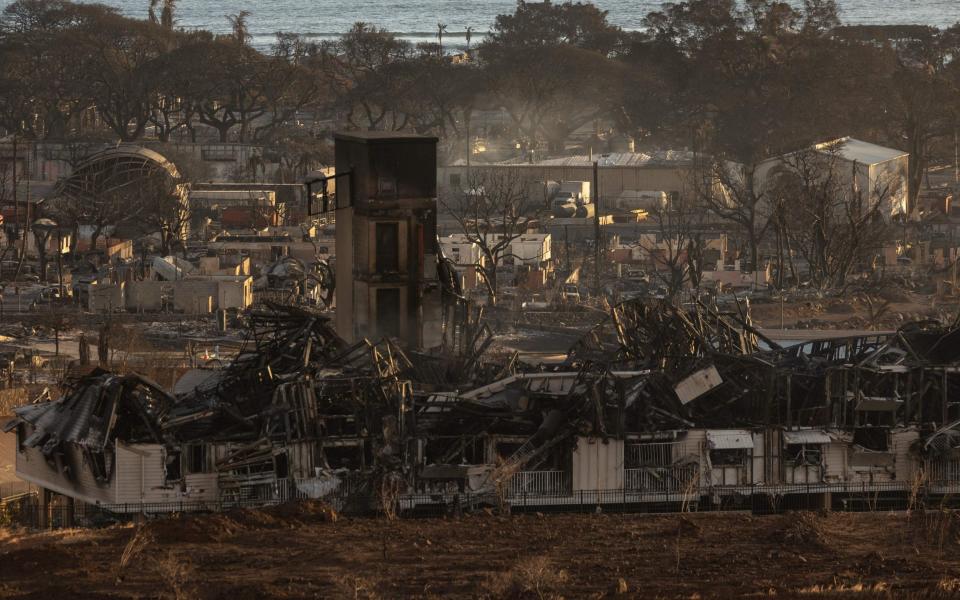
862 152
806 436
66 421
660 158
197 378
729 439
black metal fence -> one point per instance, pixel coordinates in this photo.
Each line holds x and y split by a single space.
15 488
27 511
758 499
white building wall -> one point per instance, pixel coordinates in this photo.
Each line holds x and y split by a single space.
689 447
758 458
726 475
460 251
888 175
891 176
835 460
32 466
597 464
803 474
530 248
905 463
235 293
141 478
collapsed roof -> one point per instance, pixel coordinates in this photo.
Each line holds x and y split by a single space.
114 170
650 367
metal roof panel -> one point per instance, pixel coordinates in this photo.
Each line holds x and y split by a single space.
729 439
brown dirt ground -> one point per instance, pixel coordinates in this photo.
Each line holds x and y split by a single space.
850 312
292 553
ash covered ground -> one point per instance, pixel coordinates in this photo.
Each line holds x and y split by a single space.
304 551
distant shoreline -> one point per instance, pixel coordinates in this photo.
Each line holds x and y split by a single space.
264 40
416 20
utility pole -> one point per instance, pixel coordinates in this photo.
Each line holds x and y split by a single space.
598 252
467 116
60 264
26 228
16 207
782 300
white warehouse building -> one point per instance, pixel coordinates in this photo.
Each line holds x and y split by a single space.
881 173
528 249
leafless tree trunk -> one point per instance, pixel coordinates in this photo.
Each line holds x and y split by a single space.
492 211
832 220
733 193
676 249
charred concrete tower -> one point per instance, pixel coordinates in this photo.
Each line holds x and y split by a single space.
386 238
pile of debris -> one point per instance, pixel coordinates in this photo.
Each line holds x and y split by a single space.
300 412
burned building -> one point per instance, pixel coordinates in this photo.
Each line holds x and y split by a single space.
659 404
398 399
387 238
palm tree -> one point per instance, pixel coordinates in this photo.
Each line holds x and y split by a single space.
238 23
441 29
166 15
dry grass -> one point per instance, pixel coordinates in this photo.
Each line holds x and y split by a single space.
357 588
11 398
173 569
22 537
690 492
796 555
502 477
533 577
949 584
178 573
939 528
806 530
916 486
389 492
142 538
846 589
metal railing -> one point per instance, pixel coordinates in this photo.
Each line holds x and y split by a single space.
943 470
650 453
538 482
27 511
16 488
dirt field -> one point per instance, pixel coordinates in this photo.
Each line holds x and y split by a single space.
289 553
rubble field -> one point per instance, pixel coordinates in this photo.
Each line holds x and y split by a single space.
306 552
854 313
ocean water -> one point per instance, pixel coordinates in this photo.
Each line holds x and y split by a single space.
417 20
